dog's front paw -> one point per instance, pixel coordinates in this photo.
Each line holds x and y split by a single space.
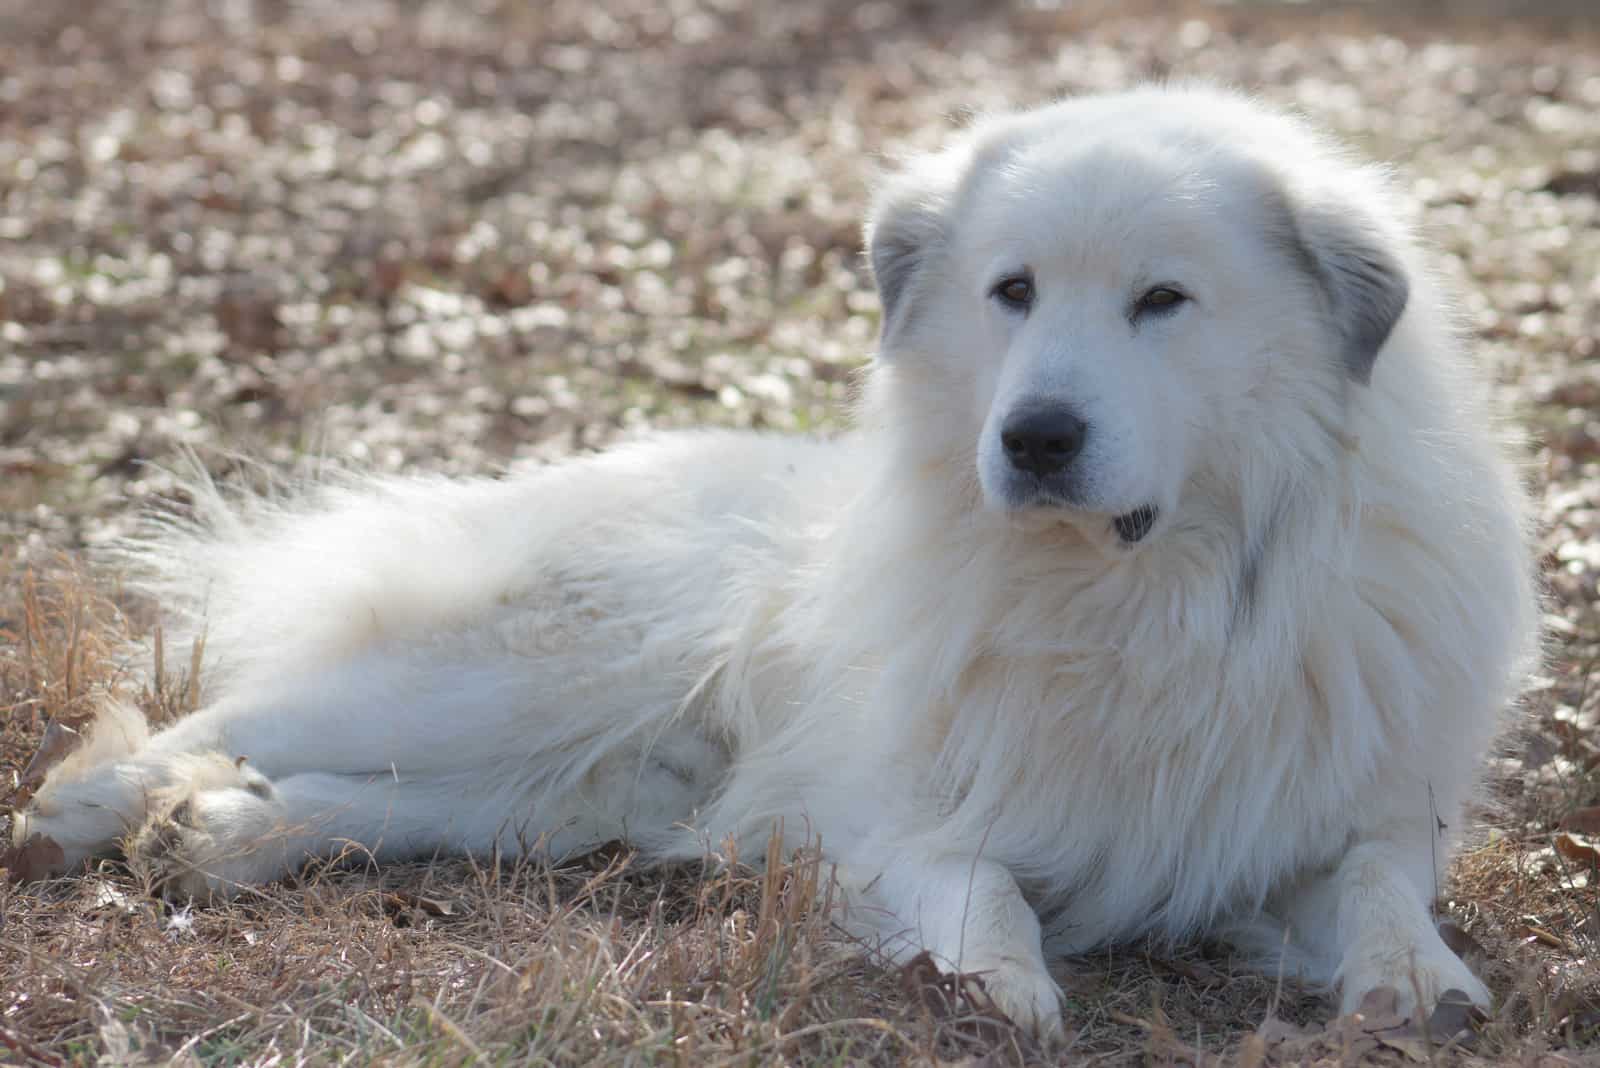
1419 975
212 841
1026 994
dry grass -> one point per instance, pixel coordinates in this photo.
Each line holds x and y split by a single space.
461 236
441 963
599 961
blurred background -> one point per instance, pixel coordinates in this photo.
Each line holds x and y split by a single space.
457 235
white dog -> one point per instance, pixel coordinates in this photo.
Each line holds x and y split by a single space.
1175 582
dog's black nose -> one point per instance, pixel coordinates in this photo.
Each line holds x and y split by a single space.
1043 441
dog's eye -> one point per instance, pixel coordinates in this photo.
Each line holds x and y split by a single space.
1159 301
1014 291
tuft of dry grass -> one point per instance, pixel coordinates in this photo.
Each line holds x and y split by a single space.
511 960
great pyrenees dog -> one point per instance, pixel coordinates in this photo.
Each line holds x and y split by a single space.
1174 581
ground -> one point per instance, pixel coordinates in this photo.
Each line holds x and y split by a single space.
462 236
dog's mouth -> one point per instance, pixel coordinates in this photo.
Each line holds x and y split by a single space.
1133 526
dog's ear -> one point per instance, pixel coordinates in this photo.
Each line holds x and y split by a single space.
906 230
1365 284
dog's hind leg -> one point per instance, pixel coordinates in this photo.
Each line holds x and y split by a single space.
107 788
448 745
225 826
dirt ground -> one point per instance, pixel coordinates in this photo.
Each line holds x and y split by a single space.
462 236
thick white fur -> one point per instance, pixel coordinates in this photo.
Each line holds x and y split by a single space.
991 712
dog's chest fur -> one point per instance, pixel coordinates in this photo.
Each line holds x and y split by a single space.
1150 768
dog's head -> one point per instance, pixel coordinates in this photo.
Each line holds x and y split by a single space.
1113 296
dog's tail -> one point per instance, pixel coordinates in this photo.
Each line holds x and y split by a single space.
268 571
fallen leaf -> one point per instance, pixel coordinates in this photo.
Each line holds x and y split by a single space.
928 985
37 858
1455 1018
407 908
1460 942
948 996
1348 1033
1579 849
1582 820
1412 1045
1549 938
103 896
60 738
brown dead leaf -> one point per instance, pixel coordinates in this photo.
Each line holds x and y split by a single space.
1583 1022
37 858
1346 1033
1579 849
1539 934
1406 1042
930 987
1460 942
947 996
60 738
1584 820
1455 1018
407 908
